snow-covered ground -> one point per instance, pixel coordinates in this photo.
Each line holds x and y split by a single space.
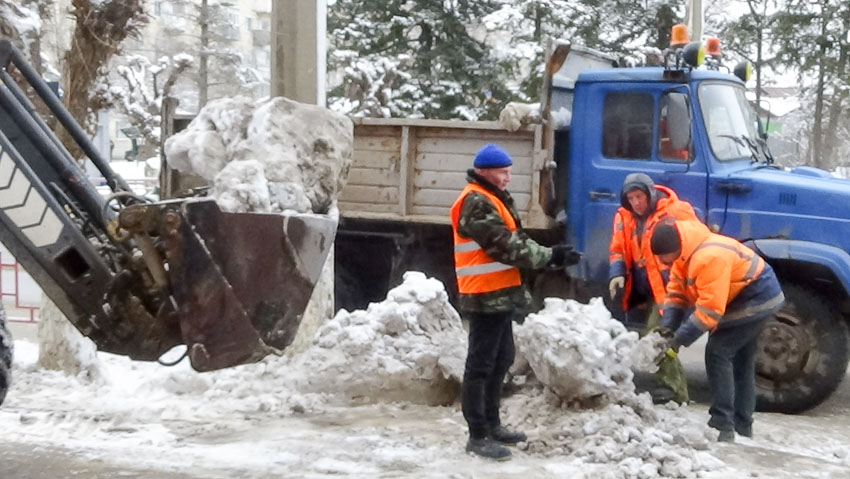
297 416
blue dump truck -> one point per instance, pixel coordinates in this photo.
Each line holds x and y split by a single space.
690 128
694 131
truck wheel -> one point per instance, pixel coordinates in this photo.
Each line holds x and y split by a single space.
802 353
6 350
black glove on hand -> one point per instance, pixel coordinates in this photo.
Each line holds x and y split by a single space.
671 349
564 255
666 332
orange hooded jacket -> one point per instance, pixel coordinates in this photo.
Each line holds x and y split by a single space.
710 272
630 248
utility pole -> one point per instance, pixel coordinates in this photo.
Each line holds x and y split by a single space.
695 14
203 68
298 50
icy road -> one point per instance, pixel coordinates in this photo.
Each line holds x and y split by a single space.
59 427
288 416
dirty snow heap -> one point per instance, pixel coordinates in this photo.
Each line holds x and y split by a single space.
582 357
409 347
269 155
580 352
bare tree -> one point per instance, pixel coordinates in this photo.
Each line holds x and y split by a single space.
100 27
146 87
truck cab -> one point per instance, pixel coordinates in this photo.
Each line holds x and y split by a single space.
694 131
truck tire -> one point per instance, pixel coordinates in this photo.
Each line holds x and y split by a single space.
802 353
6 351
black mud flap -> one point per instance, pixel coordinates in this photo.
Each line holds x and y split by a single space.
241 281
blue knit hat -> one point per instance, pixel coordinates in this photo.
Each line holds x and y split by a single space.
492 156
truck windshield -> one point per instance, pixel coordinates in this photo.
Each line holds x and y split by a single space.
731 125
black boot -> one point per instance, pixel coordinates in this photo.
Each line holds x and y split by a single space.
501 434
662 395
746 431
488 448
726 436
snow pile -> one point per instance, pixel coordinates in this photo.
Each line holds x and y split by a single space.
515 114
626 441
561 118
410 347
274 155
646 351
143 397
295 155
578 350
242 186
582 357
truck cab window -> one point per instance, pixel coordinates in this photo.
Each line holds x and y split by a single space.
665 149
729 121
627 126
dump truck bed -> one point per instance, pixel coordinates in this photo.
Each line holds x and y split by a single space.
413 170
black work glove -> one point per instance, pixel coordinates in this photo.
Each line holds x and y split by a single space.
670 349
564 255
666 332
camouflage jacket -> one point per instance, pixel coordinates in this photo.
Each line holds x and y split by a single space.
480 221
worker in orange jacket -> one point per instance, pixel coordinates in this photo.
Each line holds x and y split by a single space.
731 292
634 271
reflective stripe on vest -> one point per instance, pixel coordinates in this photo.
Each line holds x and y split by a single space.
476 271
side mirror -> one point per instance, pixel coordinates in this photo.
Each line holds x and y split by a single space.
678 121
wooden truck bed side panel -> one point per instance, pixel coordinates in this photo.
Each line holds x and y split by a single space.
412 170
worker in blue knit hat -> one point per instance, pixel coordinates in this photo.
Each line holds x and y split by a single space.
490 249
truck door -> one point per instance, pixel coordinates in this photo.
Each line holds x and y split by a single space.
731 128
624 131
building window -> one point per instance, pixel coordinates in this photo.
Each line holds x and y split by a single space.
264 22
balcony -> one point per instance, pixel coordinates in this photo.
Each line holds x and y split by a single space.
262 38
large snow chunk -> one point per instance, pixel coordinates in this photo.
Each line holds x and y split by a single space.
583 357
305 152
242 187
410 347
578 350
514 115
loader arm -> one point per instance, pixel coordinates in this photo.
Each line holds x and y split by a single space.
140 277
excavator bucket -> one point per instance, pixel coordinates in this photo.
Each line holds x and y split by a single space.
139 278
240 281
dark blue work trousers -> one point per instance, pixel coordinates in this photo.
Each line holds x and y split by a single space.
490 355
730 359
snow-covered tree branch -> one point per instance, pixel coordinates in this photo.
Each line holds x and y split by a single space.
143 92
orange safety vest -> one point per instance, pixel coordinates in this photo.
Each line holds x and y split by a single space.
476 271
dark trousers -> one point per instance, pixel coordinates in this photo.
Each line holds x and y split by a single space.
490 355
730 359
